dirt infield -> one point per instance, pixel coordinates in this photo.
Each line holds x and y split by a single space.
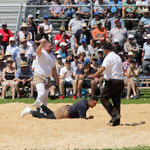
31 133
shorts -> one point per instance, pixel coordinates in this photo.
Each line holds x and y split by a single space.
86 83
53 83
68 83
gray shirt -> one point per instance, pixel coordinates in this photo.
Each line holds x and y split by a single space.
57 10
120 34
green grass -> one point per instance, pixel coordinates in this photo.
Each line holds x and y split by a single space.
144 99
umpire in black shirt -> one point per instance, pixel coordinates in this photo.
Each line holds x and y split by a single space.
77 110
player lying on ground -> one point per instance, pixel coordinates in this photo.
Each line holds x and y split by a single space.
77 110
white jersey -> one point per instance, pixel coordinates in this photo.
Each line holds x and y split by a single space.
113 67
44 64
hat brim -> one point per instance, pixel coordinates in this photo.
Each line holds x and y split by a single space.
24 65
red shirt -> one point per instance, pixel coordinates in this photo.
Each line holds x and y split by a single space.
58 37
6 35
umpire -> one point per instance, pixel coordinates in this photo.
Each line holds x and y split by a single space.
114 83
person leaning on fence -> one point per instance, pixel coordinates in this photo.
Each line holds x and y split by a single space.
85 80
132 79
77 110
24 76
67 79
9 78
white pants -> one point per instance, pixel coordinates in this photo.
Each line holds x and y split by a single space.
42 93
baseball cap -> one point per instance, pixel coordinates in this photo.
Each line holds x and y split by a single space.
76 55
4 24
77 12
98 22
94 57
45 16
84 25
116 20
8 54
100 50
63 44
146 10
141 23
59 56
30 16
56 53
116 41
24 25
86 62
24 64
83 40
11 39
96 13
62 28
130 36
22 51
98 42
41 26
68 60
130 54
115 12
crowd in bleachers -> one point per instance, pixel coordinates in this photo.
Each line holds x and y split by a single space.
78 46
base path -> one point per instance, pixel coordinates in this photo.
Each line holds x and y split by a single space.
31 133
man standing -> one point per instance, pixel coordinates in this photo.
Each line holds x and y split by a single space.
114 84
43 70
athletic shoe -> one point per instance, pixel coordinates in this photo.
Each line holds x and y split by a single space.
37 103
114 118
61 97
25 112
74 97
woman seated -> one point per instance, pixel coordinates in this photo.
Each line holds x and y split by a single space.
9 78
132 79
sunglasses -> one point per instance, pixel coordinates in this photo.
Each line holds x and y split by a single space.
9 62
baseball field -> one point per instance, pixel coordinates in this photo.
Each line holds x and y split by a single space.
40 134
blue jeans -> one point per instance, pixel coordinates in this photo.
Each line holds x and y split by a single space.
70 13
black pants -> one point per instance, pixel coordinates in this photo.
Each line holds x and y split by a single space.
113 90
49 113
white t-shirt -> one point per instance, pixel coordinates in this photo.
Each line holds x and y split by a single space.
113 67
68 75
88 50
47 26
44 64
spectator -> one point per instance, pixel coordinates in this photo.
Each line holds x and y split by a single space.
62 51
61 37
115 7
84 78
13 48
85 11
97 47
2 66
132 81
75 64
131 45
119 32
100 57
95 20
94 63
24 77
29 51
6 34
146 56
47 27
100 34
9 55
57 12
9 79
67 79
40 35
140 33
55 54
74 25
21 58
70 11
25 34
59 64
98 6
81 60
83 33
146 19
87 49
111 20
35 2
117 48
31 26
2 45
128 11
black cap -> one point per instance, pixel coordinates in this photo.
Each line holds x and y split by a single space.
68 60
93 97
108 46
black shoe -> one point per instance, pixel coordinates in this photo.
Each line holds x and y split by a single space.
114 118
116 123
52 97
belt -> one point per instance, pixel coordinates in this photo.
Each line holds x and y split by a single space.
147 59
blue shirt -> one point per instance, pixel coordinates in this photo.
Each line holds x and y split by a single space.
146 50
63 54
146 21
113 8
79 109
85 9
27 75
